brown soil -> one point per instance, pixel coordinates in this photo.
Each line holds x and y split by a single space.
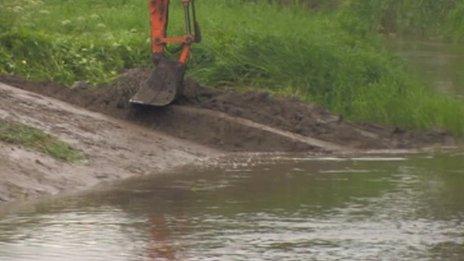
114 149
290 115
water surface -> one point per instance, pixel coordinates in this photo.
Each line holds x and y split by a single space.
271 208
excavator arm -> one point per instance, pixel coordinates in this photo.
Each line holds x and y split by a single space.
166 80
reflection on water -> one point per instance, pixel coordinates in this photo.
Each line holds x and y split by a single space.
439 63
275 208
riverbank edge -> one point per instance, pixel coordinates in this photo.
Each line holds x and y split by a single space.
212 155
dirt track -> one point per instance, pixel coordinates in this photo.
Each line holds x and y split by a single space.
147 141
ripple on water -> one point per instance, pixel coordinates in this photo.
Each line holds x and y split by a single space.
294 208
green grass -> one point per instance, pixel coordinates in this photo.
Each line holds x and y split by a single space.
418 18
454 23
323 57
36 139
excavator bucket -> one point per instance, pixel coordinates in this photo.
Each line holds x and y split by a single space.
163 85
166 80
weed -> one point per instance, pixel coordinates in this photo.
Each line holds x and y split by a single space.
420 18
36 139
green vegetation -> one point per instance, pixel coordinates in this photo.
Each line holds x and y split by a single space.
329 57
420 18
36 139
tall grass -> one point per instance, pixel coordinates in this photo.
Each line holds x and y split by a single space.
247 44
420 18
67 41
455 22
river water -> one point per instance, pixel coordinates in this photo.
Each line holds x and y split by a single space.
268 208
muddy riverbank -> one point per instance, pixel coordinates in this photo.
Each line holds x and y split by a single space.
120 141
199 116
113 149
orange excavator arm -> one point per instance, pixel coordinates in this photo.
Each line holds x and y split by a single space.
166 80
159 18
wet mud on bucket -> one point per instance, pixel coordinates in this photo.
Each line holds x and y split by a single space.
162 86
